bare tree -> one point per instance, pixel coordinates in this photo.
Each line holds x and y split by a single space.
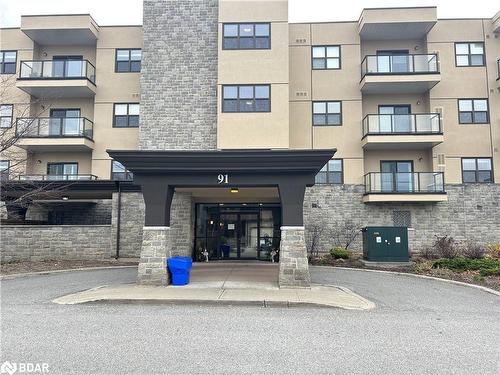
314 234
345 233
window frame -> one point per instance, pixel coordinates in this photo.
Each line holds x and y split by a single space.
126 172
238 97
327 113
5 174
469 65
63 163
11 116
127 115
129 61
473 112
238 36
326 57
2 64
476 170
328 173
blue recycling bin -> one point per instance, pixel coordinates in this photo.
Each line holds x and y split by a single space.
179 268
226 250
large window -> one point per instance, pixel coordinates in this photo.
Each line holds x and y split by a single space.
6 111
126 115
326 57
4 169
327 113
246 98
331 173
119 173
58 171
246 36
473 111
8 61
469 54
477 170
128 60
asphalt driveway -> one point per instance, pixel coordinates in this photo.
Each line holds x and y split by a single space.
419 327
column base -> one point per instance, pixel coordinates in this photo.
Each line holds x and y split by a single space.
294 267
155 251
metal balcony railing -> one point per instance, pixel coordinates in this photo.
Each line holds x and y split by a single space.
56 177
418 123
498 69
54 127
399 64
404 182
57 69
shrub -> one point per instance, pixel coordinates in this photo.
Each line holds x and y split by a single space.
423 267
428 253
473 250
446 247
461 264
490 272
339 253
493 250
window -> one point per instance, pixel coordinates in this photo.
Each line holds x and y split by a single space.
246 36
469 54
326 57
331 173
4 169
126 115
473 111
477 170
401 218
8 62
327 113
62 171
6 115
128 60
119 173
246 98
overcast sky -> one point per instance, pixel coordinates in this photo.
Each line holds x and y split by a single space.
129 12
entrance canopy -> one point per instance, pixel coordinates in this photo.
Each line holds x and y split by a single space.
160 172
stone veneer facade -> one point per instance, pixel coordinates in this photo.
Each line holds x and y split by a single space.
294 267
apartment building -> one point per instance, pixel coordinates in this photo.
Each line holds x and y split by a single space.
220 129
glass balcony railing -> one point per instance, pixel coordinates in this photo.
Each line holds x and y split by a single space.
418 123
57 177
54 127
399 64
57 69
404 182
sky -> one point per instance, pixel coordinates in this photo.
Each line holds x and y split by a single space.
129 12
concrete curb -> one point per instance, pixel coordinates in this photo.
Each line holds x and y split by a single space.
29 274
483 288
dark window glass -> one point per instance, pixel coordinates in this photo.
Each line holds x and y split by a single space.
119 173
327 113
128 60
8 60
246 36
331 173
246 98
4 169
469 54
477 170
6 115
326 57
473 111
126 115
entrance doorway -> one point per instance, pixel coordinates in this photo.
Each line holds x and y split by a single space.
237 231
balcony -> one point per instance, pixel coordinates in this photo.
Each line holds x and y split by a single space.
55 133
412 131
498 73
57 78
396 23
404 187
399 74
56 177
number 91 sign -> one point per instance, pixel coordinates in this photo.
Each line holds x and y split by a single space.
222 179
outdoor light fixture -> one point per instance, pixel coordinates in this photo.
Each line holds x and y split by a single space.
211 222
234 190
64 198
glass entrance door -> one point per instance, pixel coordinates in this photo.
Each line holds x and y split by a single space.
238 235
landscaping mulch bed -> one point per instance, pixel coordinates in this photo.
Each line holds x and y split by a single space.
13 267
419 267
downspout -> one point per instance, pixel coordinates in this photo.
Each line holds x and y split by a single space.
118 219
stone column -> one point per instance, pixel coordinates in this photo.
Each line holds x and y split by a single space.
155 251
294 267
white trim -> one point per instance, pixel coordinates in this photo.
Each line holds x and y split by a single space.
292 227
155 228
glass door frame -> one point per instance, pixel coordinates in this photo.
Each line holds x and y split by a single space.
238 231
394 177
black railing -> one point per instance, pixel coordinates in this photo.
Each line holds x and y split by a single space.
56 177
404 182
54 127
498 69
122 176
415 123
57 69
399 64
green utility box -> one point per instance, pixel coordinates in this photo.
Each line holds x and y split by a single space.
385 244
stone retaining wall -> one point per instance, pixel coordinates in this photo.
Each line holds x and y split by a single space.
40 242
